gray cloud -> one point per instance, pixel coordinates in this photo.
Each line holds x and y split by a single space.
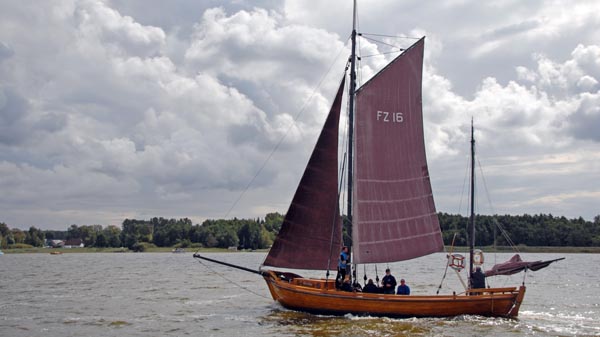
5 51
13 110
585 120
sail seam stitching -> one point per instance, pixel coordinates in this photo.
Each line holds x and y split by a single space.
394 200
396 220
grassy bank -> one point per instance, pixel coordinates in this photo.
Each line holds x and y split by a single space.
39 250
532 249
500 249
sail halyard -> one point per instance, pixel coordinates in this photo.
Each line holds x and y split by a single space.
394 216
312 223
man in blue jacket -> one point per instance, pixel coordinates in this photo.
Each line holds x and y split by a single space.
342 266
403 289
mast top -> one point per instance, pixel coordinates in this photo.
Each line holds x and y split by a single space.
354 17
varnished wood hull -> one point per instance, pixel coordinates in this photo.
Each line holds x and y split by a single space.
320 297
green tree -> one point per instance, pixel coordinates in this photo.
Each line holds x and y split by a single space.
113 236
273 222
101 240
17 236
253 235
135 231
35 237
170 232
227 237
6 237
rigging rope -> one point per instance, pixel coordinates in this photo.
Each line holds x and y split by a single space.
386 53
286 133
496 223
393 36
382 42
447 264
231 281
464 185
335 218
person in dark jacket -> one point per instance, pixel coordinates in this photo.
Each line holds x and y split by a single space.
388 282
347 284
478 279
371 288
403 289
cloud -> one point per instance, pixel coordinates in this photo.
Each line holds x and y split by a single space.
114 109
257 53
5 51
535 136
573 88
20 124
98 23
120 126
583 123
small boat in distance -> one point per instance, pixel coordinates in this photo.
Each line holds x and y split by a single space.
55 252
390 206
178 250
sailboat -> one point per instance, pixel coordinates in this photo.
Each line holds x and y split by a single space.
390 206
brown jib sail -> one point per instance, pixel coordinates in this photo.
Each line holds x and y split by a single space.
394 218
312 224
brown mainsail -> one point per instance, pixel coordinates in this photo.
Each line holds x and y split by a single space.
394 218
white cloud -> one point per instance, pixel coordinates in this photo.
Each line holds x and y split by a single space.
98 23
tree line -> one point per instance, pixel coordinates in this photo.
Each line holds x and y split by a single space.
139 234
529 230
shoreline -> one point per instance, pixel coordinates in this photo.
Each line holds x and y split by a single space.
499 249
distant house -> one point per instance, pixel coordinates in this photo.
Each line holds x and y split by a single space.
74 243
55 243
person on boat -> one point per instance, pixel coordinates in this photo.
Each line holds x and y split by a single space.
370 287
357 287
478 279
403 289
347 284
388 282
342 266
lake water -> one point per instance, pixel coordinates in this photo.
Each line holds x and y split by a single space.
165 294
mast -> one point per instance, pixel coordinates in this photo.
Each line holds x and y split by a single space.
352 89
472 218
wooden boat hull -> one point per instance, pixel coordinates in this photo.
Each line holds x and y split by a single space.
319 296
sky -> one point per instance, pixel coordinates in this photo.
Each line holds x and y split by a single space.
209 109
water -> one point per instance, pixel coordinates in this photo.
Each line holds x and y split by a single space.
163 294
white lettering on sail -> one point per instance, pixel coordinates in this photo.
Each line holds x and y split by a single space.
386 117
